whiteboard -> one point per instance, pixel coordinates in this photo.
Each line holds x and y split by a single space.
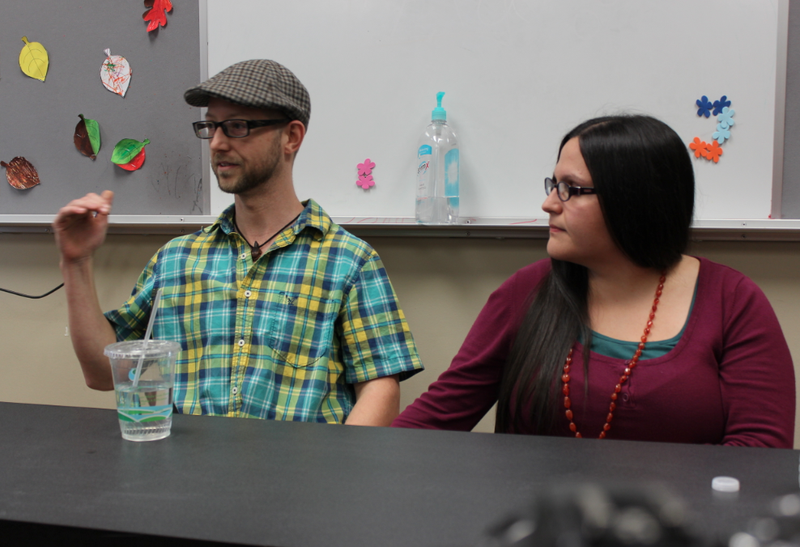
517 75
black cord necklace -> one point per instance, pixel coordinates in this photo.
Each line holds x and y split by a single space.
255 248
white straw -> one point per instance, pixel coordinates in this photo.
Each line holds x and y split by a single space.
156 302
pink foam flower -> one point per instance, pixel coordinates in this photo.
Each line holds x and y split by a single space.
366 168
365 182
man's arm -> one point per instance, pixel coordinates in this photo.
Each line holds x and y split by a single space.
377 402
80 228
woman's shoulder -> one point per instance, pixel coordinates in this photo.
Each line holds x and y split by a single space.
725 278
513 294
730 290
531 274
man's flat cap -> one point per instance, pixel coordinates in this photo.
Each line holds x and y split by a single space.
258 83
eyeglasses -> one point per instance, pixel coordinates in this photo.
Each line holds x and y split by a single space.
565 191
235 129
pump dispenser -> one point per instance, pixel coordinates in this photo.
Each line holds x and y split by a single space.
437 171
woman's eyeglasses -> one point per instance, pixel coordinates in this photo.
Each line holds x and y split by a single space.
565 191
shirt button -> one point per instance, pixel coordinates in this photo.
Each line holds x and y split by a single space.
241 343
625 397
235 390
247 294
244 256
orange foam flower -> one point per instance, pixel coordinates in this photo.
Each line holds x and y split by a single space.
714 151
700 147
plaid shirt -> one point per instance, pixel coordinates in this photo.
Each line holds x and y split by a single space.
282 338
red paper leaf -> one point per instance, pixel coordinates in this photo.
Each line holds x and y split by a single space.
135 163
21 174
156 13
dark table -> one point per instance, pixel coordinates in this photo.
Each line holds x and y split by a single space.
252 482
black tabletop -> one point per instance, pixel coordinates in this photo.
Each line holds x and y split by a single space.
284 484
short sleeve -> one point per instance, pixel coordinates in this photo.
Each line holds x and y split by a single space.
375 337
130 320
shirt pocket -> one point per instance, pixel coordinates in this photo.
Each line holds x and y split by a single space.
300 328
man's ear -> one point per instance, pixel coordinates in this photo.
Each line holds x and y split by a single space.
293 134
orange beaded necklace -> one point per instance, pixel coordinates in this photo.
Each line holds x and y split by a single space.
625 375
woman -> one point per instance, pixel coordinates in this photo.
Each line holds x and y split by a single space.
675 348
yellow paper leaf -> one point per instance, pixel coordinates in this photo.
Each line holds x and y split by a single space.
33 59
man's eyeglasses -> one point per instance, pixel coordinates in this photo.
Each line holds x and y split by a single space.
565 191
235 129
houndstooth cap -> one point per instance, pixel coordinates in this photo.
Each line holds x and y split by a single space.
258 83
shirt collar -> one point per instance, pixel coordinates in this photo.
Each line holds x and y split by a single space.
312 216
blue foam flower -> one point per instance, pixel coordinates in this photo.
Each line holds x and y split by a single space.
725 118
720 104
705 106
721 134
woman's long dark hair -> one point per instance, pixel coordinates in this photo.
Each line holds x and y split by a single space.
643 176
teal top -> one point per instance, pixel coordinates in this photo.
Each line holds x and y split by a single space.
622 349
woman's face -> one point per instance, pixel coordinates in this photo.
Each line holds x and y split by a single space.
578 231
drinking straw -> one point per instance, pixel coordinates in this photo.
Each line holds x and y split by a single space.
156 302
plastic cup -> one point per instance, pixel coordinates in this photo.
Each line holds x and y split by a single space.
145 412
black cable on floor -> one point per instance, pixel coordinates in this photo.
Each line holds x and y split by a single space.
29 296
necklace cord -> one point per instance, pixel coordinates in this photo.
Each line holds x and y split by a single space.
255 248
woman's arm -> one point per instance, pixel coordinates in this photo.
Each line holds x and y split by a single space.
756 372
466 391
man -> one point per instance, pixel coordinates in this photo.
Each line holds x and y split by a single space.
280 313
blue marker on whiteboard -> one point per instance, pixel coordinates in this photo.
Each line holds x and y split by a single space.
437 171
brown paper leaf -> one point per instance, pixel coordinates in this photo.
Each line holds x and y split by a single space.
81 139
21 173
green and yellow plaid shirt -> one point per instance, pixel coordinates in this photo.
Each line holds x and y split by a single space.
282 338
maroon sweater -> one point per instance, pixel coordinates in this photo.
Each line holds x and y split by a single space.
729 380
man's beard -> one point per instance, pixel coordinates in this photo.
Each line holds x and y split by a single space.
251 177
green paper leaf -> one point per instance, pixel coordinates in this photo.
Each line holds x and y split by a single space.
93 130
87 137
126 150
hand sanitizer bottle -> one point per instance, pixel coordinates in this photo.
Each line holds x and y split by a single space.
437 171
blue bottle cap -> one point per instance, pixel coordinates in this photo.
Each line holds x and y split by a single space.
439 113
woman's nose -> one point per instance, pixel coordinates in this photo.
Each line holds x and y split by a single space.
552 204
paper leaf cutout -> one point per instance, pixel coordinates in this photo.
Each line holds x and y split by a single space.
115 73
156 13
135 163
87 137
21 173
33 59
126 150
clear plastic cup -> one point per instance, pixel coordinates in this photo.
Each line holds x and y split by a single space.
144 410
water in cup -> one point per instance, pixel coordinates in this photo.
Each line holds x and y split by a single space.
145 413
144 404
